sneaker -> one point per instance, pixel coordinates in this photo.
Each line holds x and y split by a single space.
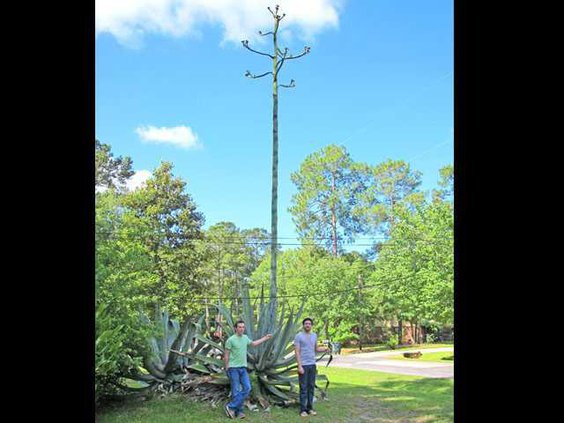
242 415
312 413
303 414
229 412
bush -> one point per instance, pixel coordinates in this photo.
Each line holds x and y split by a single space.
345 337
343 333
431 338
116 352
432 332
392 341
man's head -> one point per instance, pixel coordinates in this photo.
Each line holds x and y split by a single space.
307 323
239 327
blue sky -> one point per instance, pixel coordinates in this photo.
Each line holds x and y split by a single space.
378 80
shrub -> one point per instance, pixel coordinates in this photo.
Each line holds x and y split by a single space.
343 333
392 341
116 351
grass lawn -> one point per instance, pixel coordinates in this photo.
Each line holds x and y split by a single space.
383 347
441 357
354 396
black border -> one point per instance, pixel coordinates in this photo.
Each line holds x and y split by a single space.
58 114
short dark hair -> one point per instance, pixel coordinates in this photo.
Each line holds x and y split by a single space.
306 319
237 323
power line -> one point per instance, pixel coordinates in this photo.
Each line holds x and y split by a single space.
226 240
242 238
303 295
306 237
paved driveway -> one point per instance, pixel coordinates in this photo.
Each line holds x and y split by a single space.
379 361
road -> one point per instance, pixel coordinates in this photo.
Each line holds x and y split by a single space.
379 361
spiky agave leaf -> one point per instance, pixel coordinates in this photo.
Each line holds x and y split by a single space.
248 315
228 328
162 363
162 319
184 336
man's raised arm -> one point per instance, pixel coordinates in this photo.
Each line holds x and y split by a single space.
261 340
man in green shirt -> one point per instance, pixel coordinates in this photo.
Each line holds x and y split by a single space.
235 359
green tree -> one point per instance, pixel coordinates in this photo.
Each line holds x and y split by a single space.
343 305
328 184
256 240
388 185
227 258
111 172
170 226
332 286
414 270
446 184
232 254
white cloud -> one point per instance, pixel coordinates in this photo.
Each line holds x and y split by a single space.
137 180
180 136
130 20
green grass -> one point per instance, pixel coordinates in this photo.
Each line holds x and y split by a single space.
354 396
383 347
441 357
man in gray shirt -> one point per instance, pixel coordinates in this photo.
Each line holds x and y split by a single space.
305 345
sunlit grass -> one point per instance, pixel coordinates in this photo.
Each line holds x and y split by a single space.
354 396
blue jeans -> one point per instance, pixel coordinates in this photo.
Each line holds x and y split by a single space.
240 387
307 386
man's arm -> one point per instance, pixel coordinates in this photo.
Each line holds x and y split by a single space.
298 359
321 349
261 340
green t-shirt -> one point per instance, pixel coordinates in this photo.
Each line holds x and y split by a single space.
237 346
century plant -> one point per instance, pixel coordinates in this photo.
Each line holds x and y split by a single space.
278 57
185 356
272 365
